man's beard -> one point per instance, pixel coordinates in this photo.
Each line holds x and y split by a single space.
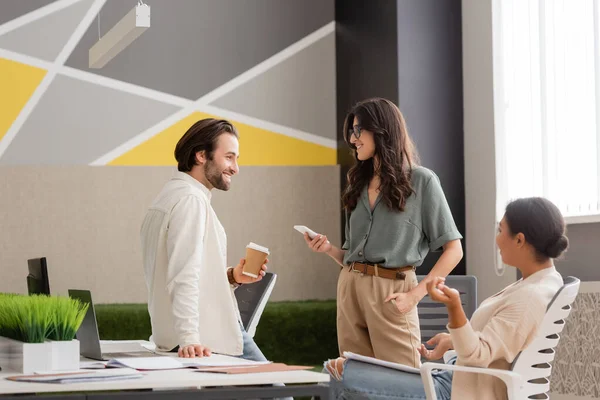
215 176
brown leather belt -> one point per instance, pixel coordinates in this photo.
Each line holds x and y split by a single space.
382 272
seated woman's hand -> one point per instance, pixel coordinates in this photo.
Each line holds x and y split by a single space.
438 291
442 342
335 367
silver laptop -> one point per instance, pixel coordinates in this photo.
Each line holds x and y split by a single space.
89 340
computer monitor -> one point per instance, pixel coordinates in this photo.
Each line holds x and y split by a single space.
37 280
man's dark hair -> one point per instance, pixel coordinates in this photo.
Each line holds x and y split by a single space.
203 135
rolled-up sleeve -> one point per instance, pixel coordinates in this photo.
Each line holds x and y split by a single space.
438 223
185 236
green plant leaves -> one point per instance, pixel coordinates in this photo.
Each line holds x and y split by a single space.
36 318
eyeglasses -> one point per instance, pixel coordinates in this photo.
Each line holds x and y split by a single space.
356 130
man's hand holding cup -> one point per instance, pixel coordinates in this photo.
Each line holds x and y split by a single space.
252 268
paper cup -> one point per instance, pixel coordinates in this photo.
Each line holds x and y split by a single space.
255 258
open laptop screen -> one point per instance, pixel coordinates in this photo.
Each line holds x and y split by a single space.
87 334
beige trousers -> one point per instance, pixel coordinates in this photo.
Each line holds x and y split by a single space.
367 325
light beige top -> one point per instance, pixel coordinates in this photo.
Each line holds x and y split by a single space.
502 326
184 250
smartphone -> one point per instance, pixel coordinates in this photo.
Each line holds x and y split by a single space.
303 229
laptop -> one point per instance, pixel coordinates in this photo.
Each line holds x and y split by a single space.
37 279
252 299
89 339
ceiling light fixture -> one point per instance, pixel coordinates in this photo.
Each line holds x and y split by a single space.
129 28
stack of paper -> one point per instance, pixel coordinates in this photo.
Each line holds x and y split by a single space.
158 363
79 376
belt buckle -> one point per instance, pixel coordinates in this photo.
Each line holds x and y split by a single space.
355 270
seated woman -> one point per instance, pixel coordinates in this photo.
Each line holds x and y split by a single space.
530 235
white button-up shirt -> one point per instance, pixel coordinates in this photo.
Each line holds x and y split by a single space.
184 250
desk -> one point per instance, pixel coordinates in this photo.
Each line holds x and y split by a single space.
181 384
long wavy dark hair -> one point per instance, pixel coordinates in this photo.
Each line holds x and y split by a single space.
394 149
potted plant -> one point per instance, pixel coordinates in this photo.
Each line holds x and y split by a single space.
66 317
37 332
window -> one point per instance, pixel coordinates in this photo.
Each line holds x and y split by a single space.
547 103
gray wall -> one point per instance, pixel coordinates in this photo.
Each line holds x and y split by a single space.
273 62
86 221
583 256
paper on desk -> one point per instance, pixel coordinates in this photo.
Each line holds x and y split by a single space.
157 363
80 376
146 363
388 364
218 360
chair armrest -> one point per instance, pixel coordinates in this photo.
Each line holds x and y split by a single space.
514 382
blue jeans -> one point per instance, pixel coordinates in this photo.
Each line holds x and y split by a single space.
253 353
251 350
367 381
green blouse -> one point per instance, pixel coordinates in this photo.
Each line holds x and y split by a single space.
396 239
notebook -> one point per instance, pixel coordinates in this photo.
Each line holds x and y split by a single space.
376 361
253 369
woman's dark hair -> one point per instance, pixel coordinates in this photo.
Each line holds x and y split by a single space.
201 136
393 148
542 224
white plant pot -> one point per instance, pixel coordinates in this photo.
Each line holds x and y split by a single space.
28 358
25 357
65 355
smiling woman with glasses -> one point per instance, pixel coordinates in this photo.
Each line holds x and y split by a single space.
356 131
396 212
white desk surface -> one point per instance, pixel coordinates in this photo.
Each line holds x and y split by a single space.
169 379
164 379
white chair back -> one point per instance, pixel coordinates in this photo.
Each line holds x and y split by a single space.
534 363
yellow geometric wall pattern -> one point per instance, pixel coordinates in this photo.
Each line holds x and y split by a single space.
113 117
257 147
17 84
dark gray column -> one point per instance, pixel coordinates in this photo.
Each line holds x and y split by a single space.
408 51
430 94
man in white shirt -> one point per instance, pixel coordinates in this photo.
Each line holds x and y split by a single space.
190 288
